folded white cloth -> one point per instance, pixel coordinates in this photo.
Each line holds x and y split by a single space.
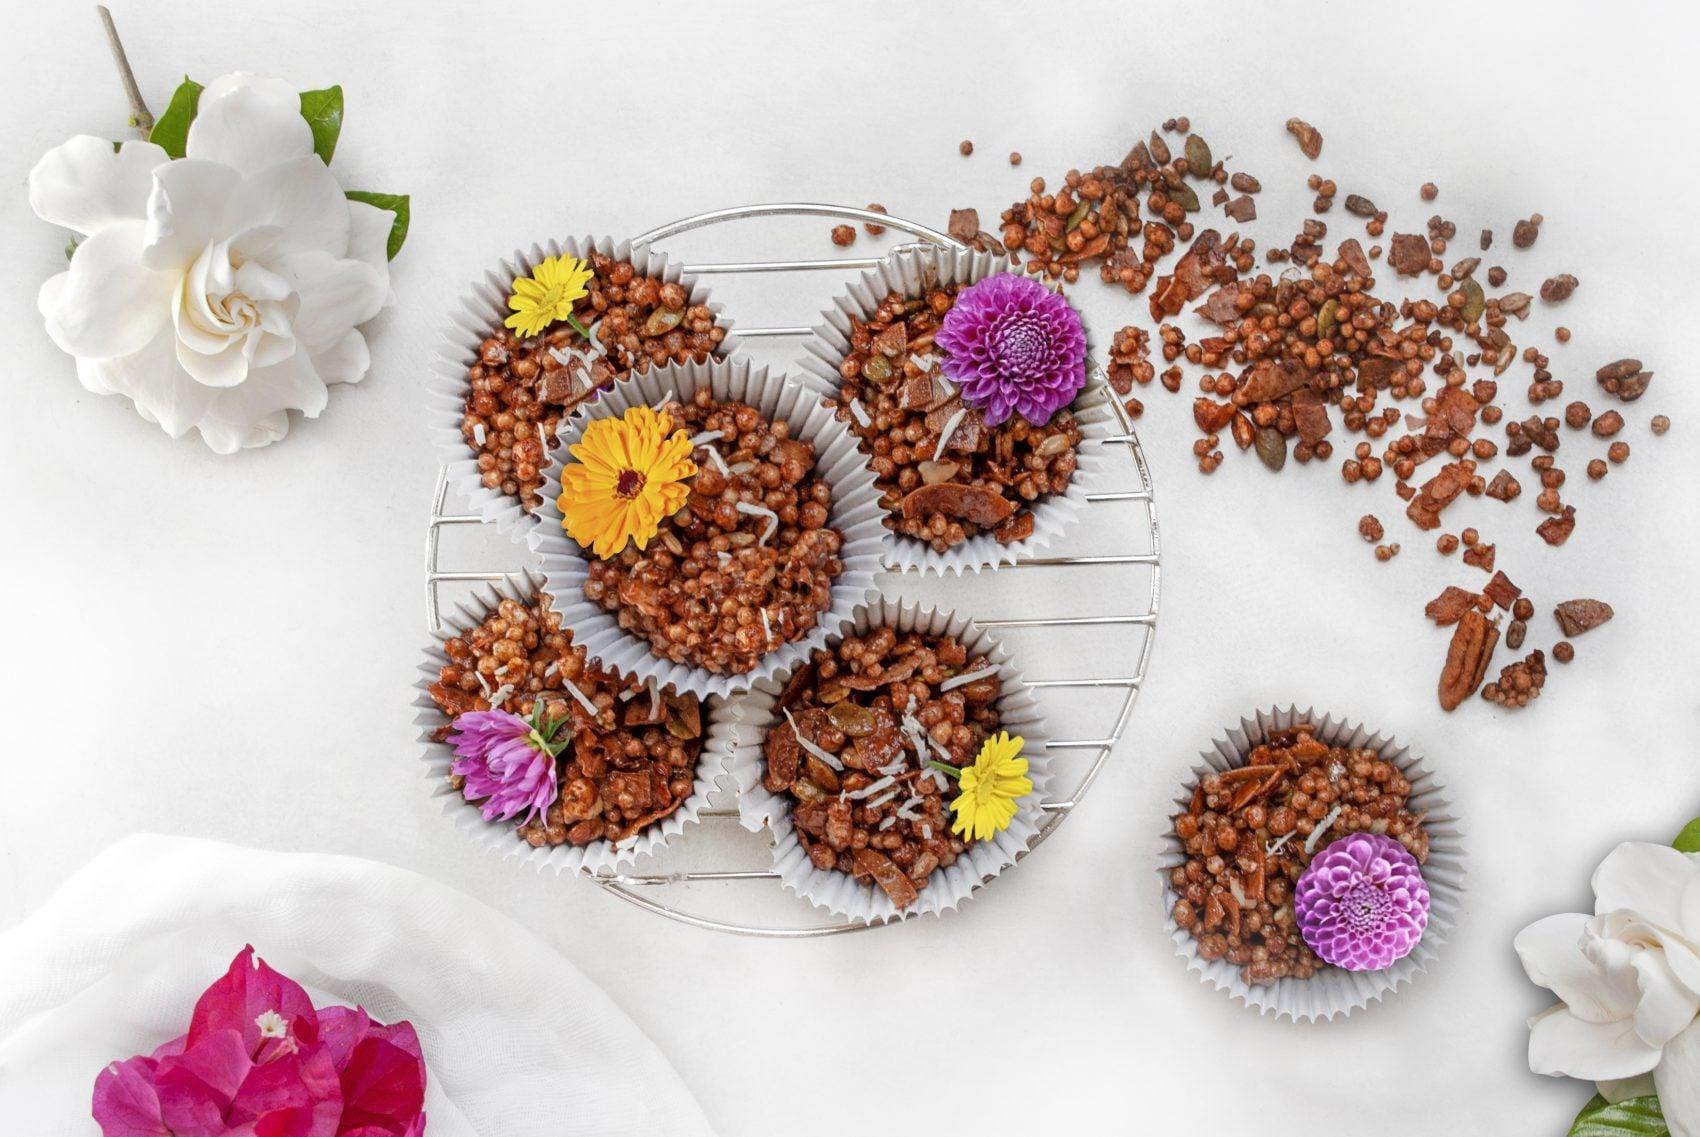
516 1039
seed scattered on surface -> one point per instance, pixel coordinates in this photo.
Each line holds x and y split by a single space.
1430 191
1564 651
843 235
1015 157
1369 528
1557 289
1618 452
966 147
1523 234
1308 137
1660 424
1562 334
1596 469
874 229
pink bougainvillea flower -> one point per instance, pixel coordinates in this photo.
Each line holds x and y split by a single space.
260 1061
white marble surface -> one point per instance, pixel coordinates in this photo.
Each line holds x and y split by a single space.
222 646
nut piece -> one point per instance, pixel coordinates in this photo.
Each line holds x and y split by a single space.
1309 138
1578 616
1556 289
1624 378
1467 657
1369 528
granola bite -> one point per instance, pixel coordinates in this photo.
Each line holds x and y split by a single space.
746 564
620 757
945 474
1251 831
520 386
871 741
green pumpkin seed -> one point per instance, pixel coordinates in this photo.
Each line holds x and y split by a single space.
853 719
1079 215
1184 194
1327 318
1474 300
1271 447
1198 160
663 320
877 369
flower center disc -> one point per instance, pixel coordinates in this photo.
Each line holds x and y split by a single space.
1020 346
629 484
1365 906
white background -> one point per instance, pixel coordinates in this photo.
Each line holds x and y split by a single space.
223 646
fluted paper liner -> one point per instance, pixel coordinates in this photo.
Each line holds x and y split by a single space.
502 836
855 514
909 272
1333 990
482 309
1019 714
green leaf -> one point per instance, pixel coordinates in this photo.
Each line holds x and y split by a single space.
1634 1117
171 130
396 203
1688 841
323 112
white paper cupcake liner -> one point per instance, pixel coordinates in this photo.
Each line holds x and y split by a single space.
482 309
1331 991
501 836
1019 714
909 272
855 513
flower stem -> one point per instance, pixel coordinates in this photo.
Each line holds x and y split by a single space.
140 117
946 768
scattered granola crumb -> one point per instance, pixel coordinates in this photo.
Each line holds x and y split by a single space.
1564 651
1015 157
843 235
1430 191
966 147
874 229
1660 424
1370 528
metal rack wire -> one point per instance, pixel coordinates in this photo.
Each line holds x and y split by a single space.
1109 561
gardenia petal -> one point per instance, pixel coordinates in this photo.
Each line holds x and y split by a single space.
1646 879
1562 1044
108 303
1552 957
336 294
249 123
302 198
1667 1007
345 361
1678 1082
86 185
1615 1090
369 235
153 379
187 209
255 411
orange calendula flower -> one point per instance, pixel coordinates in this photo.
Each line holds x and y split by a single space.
629 473
990 788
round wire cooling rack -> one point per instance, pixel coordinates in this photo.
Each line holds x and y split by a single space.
1080 621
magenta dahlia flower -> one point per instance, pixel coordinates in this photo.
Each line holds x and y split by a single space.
259 1059
1011 344
1362 903
508 762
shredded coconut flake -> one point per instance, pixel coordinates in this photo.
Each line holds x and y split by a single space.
1271 850
478 434
923 362
655 698
887 823
707 436
550 671
583 699
897 766
761 511
500 695
483 682
629 694
945 387
543 437
907 809
882 799
871 788
926 832
719 462
950 425
966 678
1316 834
766 628
858 412
825 756
665 399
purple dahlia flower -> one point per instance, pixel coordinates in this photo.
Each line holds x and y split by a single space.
508 763
1362 903
1012 344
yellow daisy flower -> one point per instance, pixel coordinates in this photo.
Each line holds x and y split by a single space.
547 295
629 475
990 788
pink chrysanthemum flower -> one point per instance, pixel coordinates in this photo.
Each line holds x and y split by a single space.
1362 903
508 762
1013 345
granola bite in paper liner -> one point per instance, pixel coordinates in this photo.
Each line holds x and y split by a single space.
497 398
628 779
1369 786
997 494
896 809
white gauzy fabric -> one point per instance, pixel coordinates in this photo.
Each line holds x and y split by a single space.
516 1039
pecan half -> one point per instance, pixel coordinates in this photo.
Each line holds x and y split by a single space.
1473 641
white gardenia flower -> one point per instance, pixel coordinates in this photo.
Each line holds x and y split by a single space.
221 290
1629 978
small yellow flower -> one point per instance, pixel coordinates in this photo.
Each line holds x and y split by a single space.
547 295
629 475
990 788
